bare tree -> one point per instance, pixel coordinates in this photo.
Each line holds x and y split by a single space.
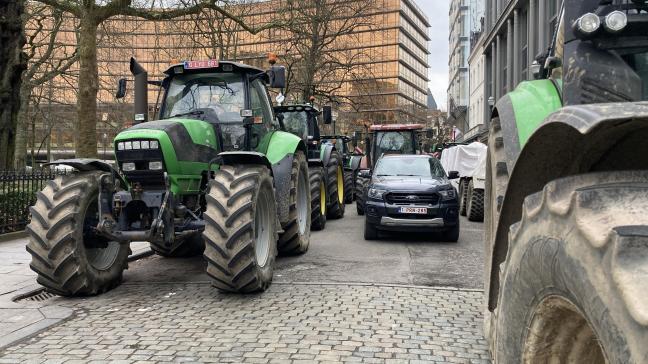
322 54
12 65
44 24
93 13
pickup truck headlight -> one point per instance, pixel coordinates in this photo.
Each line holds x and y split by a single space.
447 194
376 193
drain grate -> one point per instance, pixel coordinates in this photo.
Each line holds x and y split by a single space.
38 295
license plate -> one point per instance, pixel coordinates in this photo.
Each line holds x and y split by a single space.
413 210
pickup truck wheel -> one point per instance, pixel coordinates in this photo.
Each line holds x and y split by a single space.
241 228
67 254
451 235
370 231
574 282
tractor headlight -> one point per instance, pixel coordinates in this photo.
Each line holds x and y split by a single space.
376 193
145 144
120 146
128 145
588 23
448 194
155 166
615 21
154 144
137 144
128 167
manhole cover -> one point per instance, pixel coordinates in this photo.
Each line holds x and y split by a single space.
38 295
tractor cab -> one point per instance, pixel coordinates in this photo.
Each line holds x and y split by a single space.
303 121
392 139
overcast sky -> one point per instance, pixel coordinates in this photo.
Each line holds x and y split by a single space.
437 12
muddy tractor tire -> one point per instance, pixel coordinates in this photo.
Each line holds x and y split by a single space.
497 178
296 236
348 187
359 193
463 196
318 198
191 247
68 256
241 229
574 285
335 186
475 203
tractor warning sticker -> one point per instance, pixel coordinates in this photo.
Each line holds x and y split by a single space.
212 63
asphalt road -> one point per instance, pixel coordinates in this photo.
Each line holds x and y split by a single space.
340 254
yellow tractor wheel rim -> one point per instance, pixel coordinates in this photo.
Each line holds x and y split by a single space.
340 183
322 197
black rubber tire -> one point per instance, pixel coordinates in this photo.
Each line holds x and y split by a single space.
463 196
360 200
576 274
191 247
295 241
370 231
318 200
56 239
451 235
348 187
336 206
497 177
230 231
475 206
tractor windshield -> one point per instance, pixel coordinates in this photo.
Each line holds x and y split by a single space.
220 93
394 142
297 123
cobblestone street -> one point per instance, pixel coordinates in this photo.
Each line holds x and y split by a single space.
346 300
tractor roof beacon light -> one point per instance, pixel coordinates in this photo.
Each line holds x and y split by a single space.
588 23
615 22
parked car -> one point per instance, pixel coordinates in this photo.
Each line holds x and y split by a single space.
411 193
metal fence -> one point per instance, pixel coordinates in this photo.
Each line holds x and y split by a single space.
17 193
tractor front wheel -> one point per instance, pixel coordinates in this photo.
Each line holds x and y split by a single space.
241 229
70 258
296 236
318 198
335 186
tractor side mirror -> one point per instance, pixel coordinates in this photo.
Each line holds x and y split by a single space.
364 173
121 88
453 175
327 115
277 76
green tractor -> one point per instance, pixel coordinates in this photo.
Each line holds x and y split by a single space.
384 139
324 161
212 175
567 196
351 162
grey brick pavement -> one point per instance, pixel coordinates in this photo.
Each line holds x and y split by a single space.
306 323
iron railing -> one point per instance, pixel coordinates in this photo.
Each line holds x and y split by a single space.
17 193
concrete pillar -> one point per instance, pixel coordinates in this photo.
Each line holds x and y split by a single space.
509 54
531 36
498 67
516 47
543 44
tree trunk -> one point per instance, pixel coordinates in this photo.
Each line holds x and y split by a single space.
86 145
20 155
12 64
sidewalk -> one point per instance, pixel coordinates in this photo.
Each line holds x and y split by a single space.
25 318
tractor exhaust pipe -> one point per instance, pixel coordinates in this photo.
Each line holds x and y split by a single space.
141 91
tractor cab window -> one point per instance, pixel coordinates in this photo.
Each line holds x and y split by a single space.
394 142
260 103
218 97
297 123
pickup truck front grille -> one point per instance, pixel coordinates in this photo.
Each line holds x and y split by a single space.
401 198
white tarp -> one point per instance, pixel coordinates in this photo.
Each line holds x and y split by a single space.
469 160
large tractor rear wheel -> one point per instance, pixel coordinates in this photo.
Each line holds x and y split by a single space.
318 198
574 282
497 177
335 186
348 187
67 254
296 236
241 229
475 203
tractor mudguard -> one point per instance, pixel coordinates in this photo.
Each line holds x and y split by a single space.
88 164
574 140
282 143
522 110
325 153
230 158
